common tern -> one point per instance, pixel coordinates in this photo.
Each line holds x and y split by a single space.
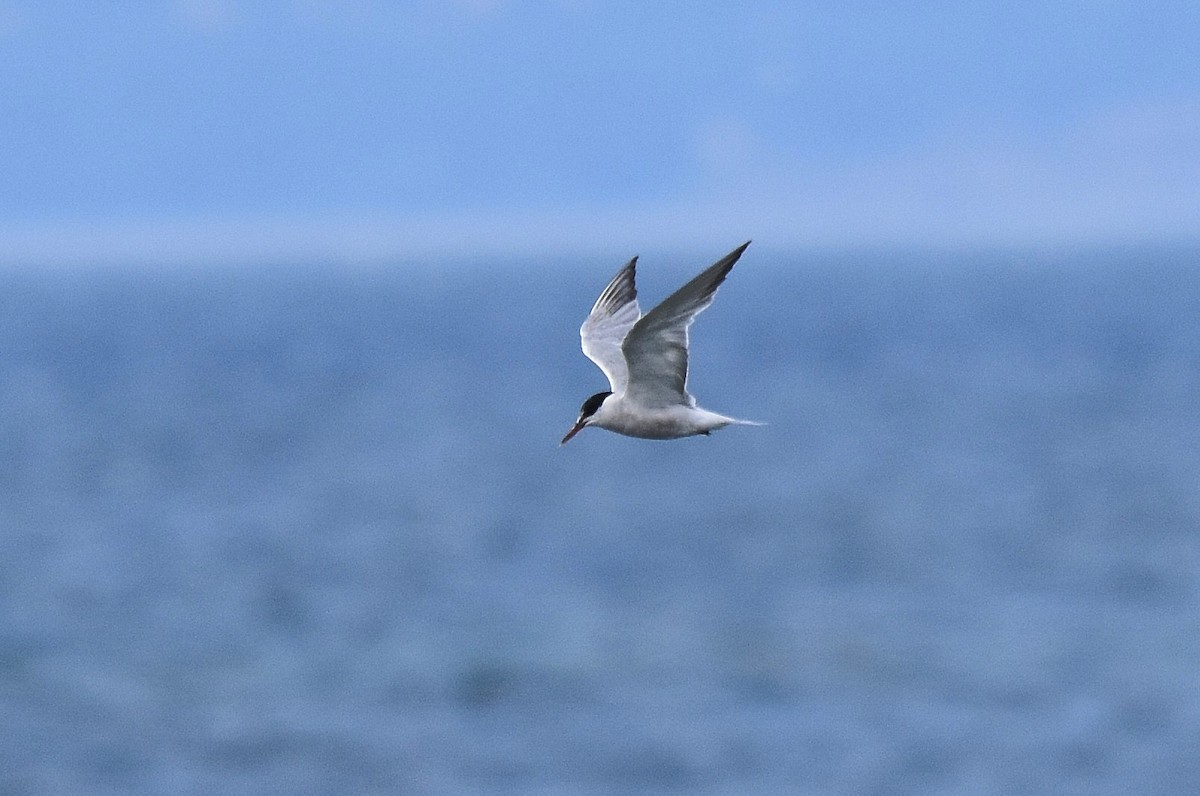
645 358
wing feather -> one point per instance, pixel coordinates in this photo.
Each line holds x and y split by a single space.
656 348
613 315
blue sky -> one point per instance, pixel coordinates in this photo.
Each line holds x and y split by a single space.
358 129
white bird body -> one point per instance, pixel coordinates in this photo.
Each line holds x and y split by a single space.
645 358
624 416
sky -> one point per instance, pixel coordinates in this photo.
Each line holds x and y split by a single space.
229 129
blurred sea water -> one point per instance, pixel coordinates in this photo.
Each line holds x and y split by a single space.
308 530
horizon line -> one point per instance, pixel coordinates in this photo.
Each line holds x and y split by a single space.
379 238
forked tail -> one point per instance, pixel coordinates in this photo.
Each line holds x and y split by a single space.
723 420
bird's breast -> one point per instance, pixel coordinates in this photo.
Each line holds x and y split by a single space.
670 422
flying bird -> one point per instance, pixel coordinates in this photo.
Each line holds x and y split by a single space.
645 358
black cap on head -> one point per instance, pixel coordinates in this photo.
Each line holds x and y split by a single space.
592 404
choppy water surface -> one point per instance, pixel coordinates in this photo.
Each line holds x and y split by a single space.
309 530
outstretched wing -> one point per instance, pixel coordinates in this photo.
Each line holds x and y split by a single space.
611 318
656 348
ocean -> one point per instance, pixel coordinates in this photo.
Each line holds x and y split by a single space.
308 529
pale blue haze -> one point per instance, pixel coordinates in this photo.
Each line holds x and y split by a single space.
205 128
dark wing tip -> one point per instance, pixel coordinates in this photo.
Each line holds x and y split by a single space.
624 284
713 277
736 253
621 290
722 267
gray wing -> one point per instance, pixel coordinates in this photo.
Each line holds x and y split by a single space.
656 349
611 318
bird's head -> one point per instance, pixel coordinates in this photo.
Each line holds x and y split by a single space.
586 414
